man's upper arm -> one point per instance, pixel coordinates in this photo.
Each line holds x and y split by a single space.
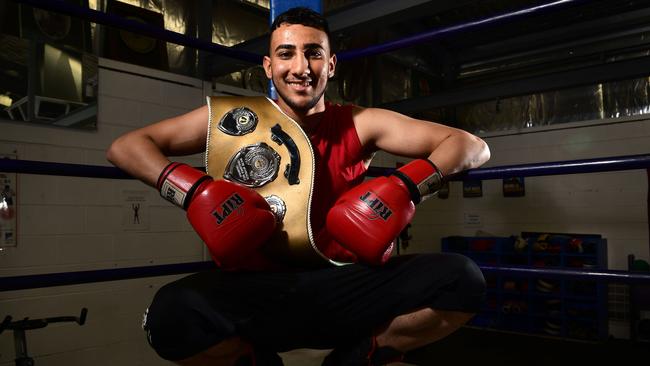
181 135
395 133
144 152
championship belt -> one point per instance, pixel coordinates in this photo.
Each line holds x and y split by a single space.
253 143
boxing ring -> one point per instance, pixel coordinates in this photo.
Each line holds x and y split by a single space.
241 57
633 162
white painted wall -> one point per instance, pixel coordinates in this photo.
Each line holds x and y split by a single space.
613 204
71 224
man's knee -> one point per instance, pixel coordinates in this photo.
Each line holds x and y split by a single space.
457 281
470 276
179 323
470 283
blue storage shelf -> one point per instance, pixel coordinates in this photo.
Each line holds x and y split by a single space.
558 308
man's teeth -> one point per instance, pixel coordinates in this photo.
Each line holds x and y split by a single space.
301 83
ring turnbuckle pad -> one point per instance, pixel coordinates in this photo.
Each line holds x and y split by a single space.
238 121
253 165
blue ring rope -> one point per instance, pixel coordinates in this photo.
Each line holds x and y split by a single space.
553 168
576 274
419 38
101 275
177 38
141 28
596 165
15 283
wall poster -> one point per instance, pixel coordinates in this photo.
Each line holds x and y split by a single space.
8 207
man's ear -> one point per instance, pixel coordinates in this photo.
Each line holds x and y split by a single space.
332 64
266 63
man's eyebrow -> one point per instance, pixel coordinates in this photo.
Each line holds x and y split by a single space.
308 46
311 46
285 47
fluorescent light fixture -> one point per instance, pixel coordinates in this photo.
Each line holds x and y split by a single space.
5 100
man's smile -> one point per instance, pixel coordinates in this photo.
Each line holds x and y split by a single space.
299 85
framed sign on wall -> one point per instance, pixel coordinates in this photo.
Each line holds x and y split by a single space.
8 207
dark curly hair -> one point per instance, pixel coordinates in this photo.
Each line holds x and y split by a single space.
303 16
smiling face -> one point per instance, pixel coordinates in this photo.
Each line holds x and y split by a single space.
299 65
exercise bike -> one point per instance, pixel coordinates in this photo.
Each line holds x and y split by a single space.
20 326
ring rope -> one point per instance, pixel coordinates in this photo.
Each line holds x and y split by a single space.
629 162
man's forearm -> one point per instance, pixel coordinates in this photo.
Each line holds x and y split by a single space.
139 156
460 152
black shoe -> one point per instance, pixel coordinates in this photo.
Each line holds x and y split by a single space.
364 353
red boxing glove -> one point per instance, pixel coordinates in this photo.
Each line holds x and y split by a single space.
234 221
367 218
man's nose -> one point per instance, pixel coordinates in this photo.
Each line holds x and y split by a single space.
300 65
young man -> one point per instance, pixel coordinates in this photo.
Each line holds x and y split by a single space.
370 312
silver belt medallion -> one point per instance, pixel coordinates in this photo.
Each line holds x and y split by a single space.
253 165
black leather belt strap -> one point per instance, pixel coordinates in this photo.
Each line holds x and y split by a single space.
293 168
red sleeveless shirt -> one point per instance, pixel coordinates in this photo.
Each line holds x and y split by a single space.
339 167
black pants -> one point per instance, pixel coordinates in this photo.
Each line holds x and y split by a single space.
314 309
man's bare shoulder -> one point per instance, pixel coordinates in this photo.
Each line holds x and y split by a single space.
375 115
375 120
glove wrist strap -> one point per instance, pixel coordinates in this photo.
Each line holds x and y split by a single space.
422 179
178 182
